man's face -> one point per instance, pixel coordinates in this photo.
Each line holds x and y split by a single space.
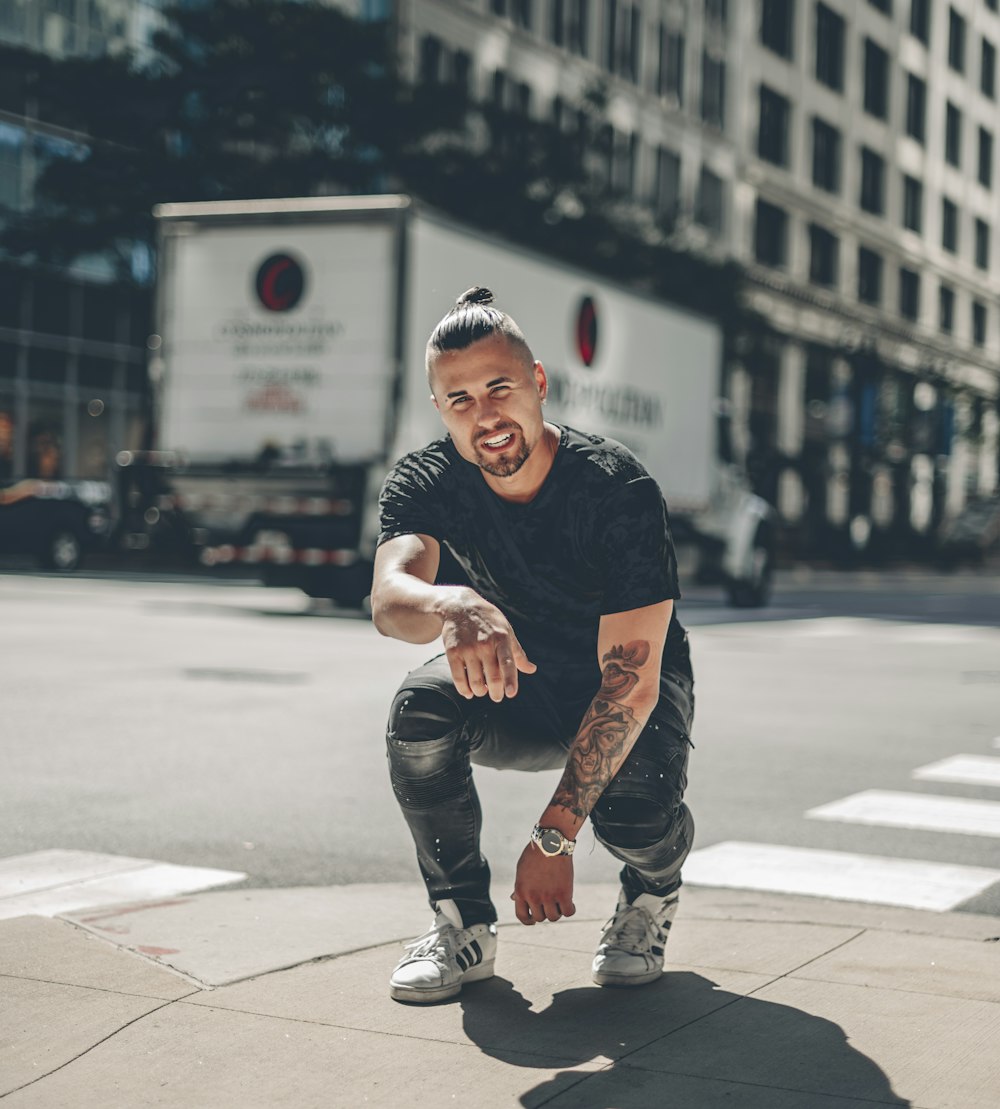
490 399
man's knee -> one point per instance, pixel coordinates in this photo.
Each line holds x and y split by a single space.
428 765
632 823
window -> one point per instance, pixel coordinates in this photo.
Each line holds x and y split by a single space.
920 19
909 294
872 182
882 5
830 35
557 22
772 136
770 234
716 11
823 252
667 195
622 40
522 98
953 134
708 210
624 159
988 70
826 156
869 276
979 323
916 107
431 49
985 172
876 99
949 225
913 203
499 88
713 90
956 41
568 24
521 13
946 309
982 244
670 71
461 71
776 26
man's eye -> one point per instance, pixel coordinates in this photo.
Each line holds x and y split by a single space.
501 389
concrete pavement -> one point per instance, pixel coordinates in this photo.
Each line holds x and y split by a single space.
267 998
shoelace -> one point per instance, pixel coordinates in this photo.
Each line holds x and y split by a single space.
629 929
436 944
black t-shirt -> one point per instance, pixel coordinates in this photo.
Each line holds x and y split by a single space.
594 540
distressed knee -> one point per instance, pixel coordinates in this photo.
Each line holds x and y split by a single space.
423 714
632 823
428 766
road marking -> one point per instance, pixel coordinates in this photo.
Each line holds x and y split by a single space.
46 883
976 770
915 810
837 874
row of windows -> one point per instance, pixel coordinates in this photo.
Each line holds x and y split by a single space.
777 33
771 249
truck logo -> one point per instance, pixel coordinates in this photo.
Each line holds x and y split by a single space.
280 282
586 330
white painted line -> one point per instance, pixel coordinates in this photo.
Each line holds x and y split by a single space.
996 742
915 810
50 882
836 874
975 770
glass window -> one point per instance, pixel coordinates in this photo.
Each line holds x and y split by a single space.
826 156
100 312
869 276
777 26
913 203
668 184
431 50
953 134
52 305
830 35
670 71
979 323
988 70
920 19
713 90
909 294
876 98
772 135
47 365
916 107
982 244
577 29
12 286
771 234
872 182
717 11
949 225
946 309
985 172
521 13
956 41
461 72
823 256
557 22
709 209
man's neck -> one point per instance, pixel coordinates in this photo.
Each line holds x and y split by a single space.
524 486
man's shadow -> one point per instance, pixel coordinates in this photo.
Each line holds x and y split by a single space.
681 1042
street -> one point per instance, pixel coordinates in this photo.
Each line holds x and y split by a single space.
217 724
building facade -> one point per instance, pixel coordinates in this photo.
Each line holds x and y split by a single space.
844 152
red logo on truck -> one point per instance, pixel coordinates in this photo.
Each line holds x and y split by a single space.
280 282
586 330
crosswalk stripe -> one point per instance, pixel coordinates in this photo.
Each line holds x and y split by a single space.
45 883
976 770
915 810
836 874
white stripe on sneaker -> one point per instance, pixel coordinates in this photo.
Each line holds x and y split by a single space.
915 810
974 770
836 874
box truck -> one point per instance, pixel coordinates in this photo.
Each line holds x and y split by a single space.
288 369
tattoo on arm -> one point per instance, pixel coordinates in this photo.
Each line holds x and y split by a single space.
606 734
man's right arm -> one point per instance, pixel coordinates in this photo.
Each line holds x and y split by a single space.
482 650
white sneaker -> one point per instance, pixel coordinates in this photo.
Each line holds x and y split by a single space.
631 949
441 961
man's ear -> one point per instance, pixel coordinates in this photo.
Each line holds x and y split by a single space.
434 401
541 380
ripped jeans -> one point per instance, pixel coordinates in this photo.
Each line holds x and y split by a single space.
435 735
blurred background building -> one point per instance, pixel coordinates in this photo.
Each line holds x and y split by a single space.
842 152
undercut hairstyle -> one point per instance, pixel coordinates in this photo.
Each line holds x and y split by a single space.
470 319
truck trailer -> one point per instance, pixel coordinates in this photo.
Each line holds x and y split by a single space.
288 369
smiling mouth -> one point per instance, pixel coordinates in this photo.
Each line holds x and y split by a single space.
498 442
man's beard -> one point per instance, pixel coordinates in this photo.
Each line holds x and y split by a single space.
504 465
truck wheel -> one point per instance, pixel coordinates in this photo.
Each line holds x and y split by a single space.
62 552
754 591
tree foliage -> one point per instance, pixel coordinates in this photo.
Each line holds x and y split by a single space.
266 98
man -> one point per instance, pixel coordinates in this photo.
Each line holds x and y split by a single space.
562 651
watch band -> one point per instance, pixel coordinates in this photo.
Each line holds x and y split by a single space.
552 842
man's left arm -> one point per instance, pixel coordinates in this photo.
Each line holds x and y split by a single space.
630 649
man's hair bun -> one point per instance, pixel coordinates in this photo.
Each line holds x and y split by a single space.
478 294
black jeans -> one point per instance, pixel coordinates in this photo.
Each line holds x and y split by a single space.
434 735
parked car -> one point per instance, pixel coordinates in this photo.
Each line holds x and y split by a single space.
57 522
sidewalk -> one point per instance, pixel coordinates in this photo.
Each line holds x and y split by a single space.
264 998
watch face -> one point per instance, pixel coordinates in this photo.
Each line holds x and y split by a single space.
551 841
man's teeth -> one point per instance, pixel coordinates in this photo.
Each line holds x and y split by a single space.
498 441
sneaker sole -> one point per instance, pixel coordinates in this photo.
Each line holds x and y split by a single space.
615 980
414 995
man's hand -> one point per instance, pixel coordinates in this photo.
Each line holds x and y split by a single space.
482 649
543 886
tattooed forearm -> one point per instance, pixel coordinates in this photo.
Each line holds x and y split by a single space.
606 734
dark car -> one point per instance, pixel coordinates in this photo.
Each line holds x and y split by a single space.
57 522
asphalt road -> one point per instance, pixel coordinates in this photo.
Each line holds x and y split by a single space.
220 724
